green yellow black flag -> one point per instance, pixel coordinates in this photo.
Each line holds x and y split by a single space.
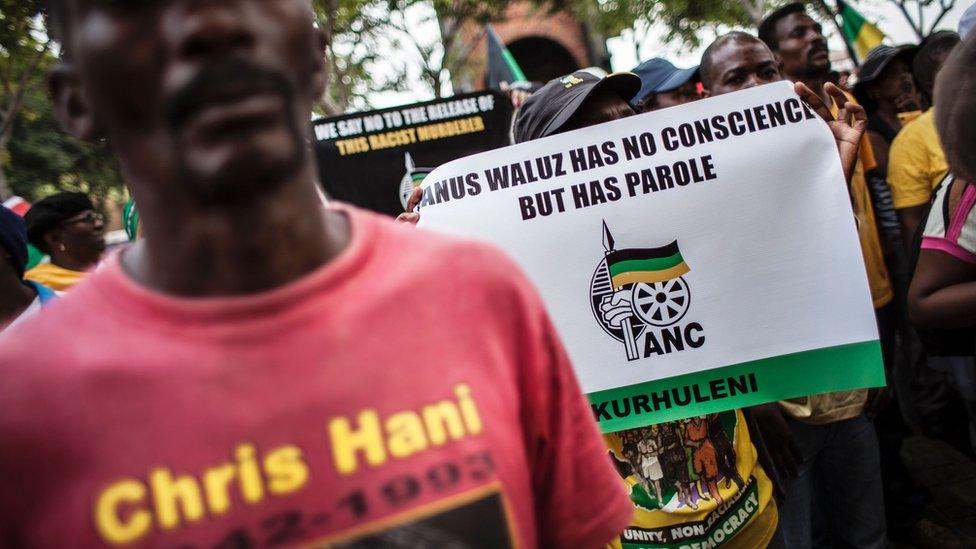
502 66
646 265
858 31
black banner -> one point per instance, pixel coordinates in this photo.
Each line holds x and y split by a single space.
371 159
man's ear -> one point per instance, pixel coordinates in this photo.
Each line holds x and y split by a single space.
320 76
71 104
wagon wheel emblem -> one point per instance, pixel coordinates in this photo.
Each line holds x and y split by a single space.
661 303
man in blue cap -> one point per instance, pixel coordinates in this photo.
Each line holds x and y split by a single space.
663 85
19 299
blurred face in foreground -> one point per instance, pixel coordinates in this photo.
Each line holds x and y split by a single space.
738 65
202 100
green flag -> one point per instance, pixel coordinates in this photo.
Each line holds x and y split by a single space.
502 66
858 31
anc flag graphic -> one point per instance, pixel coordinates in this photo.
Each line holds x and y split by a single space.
858 32
646 265
412 178
417 177
415 174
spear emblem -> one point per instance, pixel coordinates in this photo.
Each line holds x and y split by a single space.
629 343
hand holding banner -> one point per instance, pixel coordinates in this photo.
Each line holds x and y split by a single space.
695 259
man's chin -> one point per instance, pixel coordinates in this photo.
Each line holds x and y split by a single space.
239 174
819 66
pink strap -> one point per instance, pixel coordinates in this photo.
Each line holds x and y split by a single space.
951 248
958 216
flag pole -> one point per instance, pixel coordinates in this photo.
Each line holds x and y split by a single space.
840 29
629 343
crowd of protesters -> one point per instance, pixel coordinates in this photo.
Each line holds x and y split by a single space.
177 394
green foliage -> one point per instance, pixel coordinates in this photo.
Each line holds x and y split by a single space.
44 160
682 19
351 29
36 157
358 32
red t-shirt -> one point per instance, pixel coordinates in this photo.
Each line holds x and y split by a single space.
410 392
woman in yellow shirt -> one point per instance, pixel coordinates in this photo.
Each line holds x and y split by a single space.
67 228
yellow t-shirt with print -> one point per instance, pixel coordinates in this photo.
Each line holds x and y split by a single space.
916 162
694 481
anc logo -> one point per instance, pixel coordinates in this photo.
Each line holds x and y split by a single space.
412 179
639 297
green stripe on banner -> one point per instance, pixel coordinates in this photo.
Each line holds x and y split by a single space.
658 264
852 366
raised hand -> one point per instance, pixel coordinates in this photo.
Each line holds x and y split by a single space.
848 126
518 96
617 307
410 216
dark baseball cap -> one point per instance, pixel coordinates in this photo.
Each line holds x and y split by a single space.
660 75
550 108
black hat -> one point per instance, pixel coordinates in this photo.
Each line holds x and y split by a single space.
767 27
880 57
13 238
876 62
548 109
51 212
660 75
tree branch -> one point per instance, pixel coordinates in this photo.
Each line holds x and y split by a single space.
911 22
7 124
944 9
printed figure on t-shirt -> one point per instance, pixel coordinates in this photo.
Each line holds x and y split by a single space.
688 459
642 449
705 459
650 466
724 452
676 465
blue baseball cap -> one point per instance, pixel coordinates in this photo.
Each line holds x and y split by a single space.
660 75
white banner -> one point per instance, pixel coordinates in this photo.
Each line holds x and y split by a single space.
669 245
